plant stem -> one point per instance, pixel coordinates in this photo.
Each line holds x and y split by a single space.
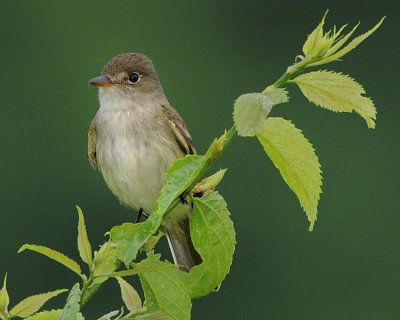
282 80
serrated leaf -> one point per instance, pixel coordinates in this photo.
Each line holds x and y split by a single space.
338 44
337 92
352 45
181 176
54 255
105 262
130 237
250 111
72 307
276 95
46 315
209 183
129 295
4 298
165 288
296 160
32 304
312 44
213 237
84 247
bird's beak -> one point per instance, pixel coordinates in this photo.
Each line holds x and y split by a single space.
101 81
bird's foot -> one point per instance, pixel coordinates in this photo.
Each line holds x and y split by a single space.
140 215
183 196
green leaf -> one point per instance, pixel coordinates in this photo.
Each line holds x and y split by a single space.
84 247
72 307
54 255
276 95
313 44
249 113
337 92
130 237
352 45
32 304
4 298
338 44
251 109
213 237
181 176
129 295
295 159
209 183
165 288
105 262
152 241
138 269
46 315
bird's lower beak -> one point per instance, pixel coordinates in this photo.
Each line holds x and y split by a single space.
101 81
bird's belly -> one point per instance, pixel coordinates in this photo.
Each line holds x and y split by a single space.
134 169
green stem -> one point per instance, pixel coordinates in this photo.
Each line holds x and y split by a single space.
282 80
291 72
88 292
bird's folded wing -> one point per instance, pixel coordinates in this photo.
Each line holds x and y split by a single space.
179 128
92 145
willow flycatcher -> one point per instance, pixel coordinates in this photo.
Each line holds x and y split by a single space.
134 138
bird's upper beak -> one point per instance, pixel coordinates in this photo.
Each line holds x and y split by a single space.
101 81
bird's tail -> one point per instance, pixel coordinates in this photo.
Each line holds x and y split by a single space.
181 245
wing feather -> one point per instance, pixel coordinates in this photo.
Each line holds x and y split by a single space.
180 130
92 136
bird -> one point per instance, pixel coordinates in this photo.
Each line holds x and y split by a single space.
135 136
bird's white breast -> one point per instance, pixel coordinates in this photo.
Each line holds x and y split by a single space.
134 148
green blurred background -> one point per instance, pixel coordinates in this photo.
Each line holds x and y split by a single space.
207 54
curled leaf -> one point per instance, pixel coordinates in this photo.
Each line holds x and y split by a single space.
335 54
250 111
209 183
276 95
325 47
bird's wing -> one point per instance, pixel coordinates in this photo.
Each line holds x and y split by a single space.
179 128
92 145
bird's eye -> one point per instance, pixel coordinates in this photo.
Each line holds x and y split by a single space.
134 77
